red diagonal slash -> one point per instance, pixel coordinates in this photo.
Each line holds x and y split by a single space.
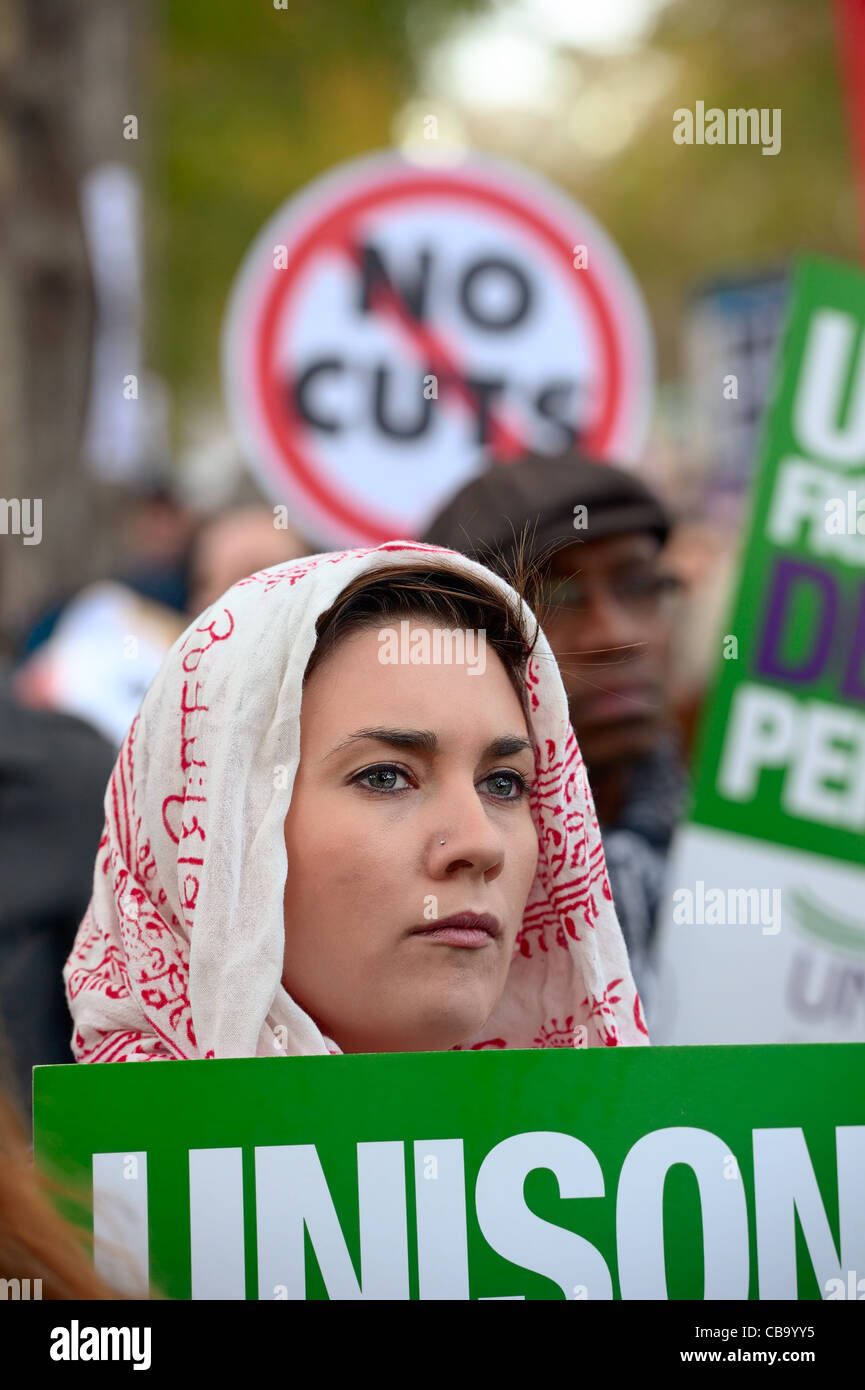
505 442
336 231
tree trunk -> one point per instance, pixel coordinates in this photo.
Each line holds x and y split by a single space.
66 83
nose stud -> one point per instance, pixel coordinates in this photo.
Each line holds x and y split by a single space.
441 842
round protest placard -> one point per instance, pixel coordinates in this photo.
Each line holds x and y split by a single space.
394 328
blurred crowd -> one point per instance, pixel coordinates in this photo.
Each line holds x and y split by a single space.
81 670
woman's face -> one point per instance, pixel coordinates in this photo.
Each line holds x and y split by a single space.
395 759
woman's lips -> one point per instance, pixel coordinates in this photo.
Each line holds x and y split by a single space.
457 936
470 930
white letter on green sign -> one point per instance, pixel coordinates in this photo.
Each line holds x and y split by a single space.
640 1214
527 1240
784 1184
292 1193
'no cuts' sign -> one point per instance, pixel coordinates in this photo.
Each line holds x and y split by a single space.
394 328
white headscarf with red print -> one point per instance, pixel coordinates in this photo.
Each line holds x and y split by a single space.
180 953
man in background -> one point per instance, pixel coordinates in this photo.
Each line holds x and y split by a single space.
597 536
54 770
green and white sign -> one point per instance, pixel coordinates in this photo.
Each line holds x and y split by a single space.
762 938
635 1173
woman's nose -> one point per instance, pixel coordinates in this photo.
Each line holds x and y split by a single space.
471 839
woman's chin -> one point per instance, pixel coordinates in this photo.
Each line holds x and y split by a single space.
445 1028
439 1033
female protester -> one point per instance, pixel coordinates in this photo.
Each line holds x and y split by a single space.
324 836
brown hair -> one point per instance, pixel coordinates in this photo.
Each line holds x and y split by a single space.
433 590
35 1241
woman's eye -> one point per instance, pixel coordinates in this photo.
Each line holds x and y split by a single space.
506 786
383 778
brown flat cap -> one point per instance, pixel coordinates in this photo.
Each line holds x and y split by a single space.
537 498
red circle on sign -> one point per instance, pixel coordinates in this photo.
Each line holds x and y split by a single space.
334 231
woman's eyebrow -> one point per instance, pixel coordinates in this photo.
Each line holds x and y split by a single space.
421 740
507 746
425 741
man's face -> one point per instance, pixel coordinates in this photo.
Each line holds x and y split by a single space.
610 629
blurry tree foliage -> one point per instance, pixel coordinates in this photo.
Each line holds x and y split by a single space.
683 213
250 103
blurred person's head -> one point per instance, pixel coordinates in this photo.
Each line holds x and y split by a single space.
157 526
705 555
597 535
236 543
157 530
367 827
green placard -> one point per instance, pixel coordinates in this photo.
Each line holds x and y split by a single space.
691 1172
782 746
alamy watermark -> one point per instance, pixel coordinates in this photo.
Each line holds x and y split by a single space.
21 1290
22 516
853 1289
440 646
845 516
77 1343
730 907
731 127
